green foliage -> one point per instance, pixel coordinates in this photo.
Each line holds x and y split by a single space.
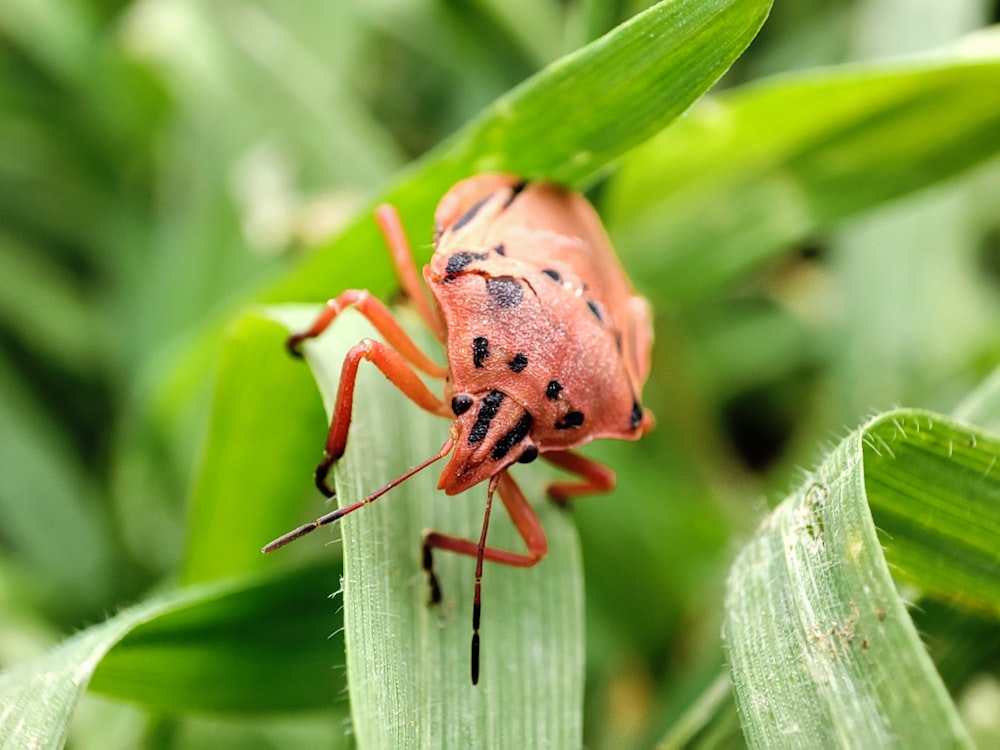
192 649
762 180
845 660
820 245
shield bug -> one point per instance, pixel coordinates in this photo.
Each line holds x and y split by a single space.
547 346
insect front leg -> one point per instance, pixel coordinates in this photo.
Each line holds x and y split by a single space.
396 368
596 477
525 521
380 317
528 526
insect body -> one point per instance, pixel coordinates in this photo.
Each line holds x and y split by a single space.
547 344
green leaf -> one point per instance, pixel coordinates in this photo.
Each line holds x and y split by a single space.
935 496
408 663
822 649
566 123
226 646
249 646
768 165
259 453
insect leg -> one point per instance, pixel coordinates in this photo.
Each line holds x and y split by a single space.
525 521
527 525
406 270
380 317
397 370
596 477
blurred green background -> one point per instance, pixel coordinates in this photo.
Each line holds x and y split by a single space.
163 163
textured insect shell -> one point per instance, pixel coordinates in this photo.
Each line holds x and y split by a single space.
537 308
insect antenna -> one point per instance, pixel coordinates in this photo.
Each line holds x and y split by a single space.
336 515
477 597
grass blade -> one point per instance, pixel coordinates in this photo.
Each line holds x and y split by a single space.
567 123
408 664
934 490
188 650
767 166
822 649
248 646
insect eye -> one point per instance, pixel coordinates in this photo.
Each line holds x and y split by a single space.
529 455
461 403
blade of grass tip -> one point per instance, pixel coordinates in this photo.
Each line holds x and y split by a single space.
566 123
408 663
821 647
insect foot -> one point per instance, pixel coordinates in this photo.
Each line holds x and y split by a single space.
294 344
428 564
323 474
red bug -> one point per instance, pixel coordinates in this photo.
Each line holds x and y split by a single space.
547 343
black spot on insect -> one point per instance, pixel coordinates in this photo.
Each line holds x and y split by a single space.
596 310
636 416
516 434
500 249
552 274
488 409
618 341
480 351
553 389
529 455
470 214
571 420
514 192
461 403
506 291
458 261
519 362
